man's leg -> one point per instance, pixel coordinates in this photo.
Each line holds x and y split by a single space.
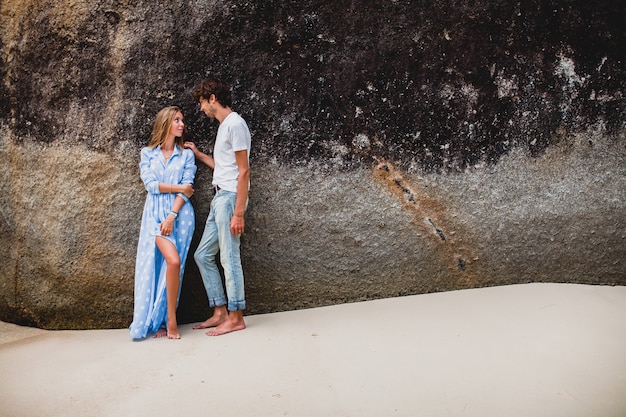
205 259
230 258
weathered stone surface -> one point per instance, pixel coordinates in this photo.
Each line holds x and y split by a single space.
400 148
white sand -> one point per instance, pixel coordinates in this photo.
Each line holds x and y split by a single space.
524 350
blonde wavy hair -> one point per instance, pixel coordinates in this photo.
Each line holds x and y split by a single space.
162 125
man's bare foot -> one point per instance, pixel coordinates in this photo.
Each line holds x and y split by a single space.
215 320
228 326
160 333
210 322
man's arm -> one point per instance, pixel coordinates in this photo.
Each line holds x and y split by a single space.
237 223
201 156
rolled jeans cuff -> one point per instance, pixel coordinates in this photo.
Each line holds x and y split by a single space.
236 305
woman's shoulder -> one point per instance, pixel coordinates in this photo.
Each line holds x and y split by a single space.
147 150
188 153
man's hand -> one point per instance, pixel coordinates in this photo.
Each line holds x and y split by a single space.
192 146
200 156
237 225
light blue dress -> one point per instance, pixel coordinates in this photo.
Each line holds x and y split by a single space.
150 293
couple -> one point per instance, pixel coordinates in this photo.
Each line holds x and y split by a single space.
168 169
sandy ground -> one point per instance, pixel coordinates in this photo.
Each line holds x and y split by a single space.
523 350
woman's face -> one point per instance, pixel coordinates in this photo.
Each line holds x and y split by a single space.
178 125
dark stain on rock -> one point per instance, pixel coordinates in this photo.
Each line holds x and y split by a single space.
445 85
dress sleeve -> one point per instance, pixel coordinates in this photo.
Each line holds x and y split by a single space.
189 170
147 175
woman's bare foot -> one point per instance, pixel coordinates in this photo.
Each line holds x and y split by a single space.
160 333
173 335
233 323
172 330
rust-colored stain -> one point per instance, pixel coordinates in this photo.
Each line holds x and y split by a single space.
433 219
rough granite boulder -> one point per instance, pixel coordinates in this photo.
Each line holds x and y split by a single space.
400 148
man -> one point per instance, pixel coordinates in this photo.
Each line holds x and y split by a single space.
225 223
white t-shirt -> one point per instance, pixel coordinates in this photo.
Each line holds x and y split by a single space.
233 135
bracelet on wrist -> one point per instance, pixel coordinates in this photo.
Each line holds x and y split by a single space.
173 213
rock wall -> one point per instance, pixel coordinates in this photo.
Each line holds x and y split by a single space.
398 148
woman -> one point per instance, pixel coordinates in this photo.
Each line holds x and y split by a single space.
167 224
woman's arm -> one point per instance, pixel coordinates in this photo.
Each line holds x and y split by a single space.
184 190
186 183
167 225
147 176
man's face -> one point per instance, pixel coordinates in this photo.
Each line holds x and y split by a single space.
207 107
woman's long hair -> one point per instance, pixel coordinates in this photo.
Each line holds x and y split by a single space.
162 125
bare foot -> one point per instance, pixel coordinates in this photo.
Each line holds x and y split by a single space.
227 326
160 333
172 330
173 334
215 320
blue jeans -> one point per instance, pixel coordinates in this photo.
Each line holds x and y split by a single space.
217 238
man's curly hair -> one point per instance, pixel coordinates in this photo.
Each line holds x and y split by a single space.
215 86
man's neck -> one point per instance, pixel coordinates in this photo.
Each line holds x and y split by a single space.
221 114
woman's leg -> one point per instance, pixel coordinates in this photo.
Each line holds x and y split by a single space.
172 283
